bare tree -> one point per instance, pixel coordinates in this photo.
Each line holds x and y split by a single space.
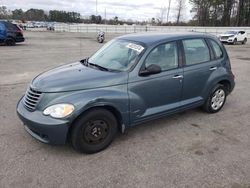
180 7
4 12
169 4
162 14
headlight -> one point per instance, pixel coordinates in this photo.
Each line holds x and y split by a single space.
59 110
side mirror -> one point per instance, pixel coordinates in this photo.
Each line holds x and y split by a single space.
151 69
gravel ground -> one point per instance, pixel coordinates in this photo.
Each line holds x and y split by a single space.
191 149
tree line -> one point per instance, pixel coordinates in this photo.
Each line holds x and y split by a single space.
39 15
205 13
55 16
221 12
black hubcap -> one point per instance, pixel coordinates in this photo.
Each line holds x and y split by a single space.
96 131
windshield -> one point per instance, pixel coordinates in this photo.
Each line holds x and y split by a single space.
231 32
119 55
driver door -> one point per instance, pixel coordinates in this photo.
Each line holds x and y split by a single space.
157 94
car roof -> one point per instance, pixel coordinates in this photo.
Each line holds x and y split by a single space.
152 38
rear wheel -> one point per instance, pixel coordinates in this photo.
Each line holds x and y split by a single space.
244 41
216 99
10 42
94 131
100 39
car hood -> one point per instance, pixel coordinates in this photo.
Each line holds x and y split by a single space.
227 35
76 76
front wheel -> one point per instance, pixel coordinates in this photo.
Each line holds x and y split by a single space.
235 42
94 131
216 99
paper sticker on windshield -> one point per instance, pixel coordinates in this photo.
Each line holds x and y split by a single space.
135 47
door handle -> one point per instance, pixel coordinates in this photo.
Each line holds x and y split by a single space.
213 68
178 76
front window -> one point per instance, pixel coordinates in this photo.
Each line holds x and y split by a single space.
165 56
118 55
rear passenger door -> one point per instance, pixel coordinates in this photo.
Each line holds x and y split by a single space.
198 66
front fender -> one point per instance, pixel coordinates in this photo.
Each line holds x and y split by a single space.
115 97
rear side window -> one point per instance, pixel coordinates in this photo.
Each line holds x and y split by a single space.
164 55
196 51
217 50
10 26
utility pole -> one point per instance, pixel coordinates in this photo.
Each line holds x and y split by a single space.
105 14
96 7
168 10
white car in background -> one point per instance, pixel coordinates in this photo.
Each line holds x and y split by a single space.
232 37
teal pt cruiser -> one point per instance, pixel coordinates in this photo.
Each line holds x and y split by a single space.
130 80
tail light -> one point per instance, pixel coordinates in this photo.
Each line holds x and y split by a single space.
19 29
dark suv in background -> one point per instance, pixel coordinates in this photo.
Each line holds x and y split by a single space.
10 34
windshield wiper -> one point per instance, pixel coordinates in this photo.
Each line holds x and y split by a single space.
87 63
99 67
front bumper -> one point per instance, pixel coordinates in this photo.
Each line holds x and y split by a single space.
44 128
230 40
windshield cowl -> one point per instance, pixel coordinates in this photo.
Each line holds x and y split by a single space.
95 66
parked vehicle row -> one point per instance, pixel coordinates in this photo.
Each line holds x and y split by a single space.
38 24
130 80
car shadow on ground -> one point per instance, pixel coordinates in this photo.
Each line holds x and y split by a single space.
16 45
130 133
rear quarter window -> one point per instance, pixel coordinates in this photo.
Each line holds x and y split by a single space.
196 51
217 49
10 26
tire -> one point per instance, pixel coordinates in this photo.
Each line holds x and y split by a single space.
94 131
244 41
216 99
100 39
235 41
10 42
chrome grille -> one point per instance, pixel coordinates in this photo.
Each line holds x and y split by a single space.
31 98
224 38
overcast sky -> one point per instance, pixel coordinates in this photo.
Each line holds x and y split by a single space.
124 9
